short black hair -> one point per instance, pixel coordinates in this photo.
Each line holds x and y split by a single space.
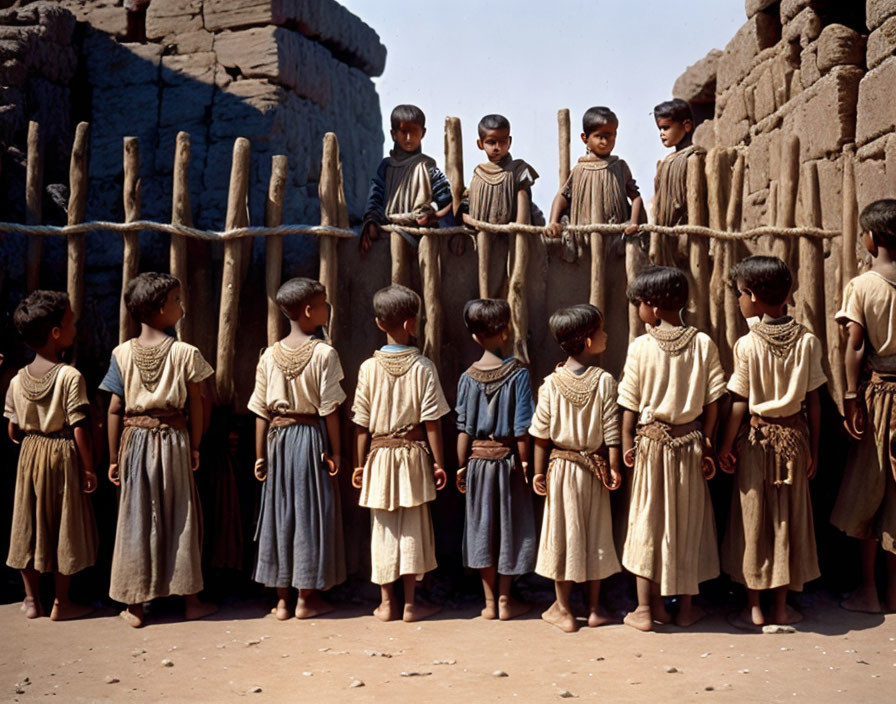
147 293
767 277
665 287
493 122
596 117
38 313
295 294
407 113
486 317
395 304
572 326
676 109
879 218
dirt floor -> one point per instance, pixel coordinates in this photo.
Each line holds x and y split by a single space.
349 656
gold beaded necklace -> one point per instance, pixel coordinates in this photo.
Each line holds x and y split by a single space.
291 362
150 361
672 341
34 388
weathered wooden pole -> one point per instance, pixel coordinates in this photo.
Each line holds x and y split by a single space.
733 222
717 180
788 190
850 218
454 166
130 259
563 135
237 216
516 290
273 245
34 185
698 247
182 215
328 194
77 204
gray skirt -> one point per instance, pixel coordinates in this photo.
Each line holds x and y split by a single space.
499 529
299 529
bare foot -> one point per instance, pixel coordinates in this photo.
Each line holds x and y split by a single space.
68 610
688 616
386 611
640 619
195 609
786 617
864 600
281 610
557 616
311 606
418 612
133 615
32 607
509 608
599 617
490 611
659 612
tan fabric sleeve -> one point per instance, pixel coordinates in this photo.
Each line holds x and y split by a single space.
541 419
739 383
76 401
433 405
816 371
715 375
853 308
331 393
9 408
258 401
361 404
197 368
631 186
630 384
611 425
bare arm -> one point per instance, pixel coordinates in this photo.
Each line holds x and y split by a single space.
629 421
113 428
813 409
362 437
85 456
13 431
726 456
463 451
523 207
637 207
558 207
540 460
194 396
710 417
261 448
852 359
333 434
434 436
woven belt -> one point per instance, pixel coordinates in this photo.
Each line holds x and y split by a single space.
65 433
411 437
787 436
488 449
883 383
284 420
594 462
175 421
671 435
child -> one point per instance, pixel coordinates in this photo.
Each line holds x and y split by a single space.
668 392
52 520
154 381
576 431
770 542
399 402
494 409
409 182
598 191
670 202
866 504
297 394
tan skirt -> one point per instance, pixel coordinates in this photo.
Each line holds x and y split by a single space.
866 504
401 542
52 520
671 537
577 529
398 477
770 540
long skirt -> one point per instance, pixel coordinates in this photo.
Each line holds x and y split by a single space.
499 527
577 529
52 520
770 540
671 537
299 530
866 504
401 543
159 532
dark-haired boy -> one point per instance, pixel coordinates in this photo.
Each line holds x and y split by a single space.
494 409
397 407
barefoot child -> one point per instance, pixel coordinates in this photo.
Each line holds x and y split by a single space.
668 392
770 542
297 395
52 520
397 407
576 431
866 504
155 425
494 409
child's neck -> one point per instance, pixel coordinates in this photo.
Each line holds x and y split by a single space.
885 262
583 360
684 142
774 312
672 317
493 354
151 333
299 334
45 358
398 336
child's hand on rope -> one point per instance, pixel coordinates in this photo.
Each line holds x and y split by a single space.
631 229
540 484
553 230
369 233
854 417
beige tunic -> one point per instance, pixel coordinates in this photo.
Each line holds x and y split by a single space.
64 404
598 191
870 300
494 187
407 182
312 385
576 412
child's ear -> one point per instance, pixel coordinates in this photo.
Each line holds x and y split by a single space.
479 144
423 133
872 244
688 125
509 140
410 326
56 333
307 312
584 138
379 324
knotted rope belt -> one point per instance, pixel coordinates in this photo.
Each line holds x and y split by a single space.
412 437
284 420
594 462
883 384
153 421
671 435
488 449
788 437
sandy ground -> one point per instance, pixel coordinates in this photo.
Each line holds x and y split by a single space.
834 656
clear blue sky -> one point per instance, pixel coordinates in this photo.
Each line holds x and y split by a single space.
527 59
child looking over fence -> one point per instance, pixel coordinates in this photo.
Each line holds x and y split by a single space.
866 504
297 445
46 404
668 392
155 424
770 542
576 431
494 409
397 407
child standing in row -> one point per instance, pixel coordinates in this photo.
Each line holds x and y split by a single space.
46 404
154 381
669 392
576 431
397 407
494 409
770 542
866 504
296 399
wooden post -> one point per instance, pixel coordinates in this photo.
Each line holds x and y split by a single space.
516 289
733 222
454 160
181 215
698 247
328 193
130 260
563 135
273 245
598 295
77 204
230 274
34 185
717 181
788 190
850 218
